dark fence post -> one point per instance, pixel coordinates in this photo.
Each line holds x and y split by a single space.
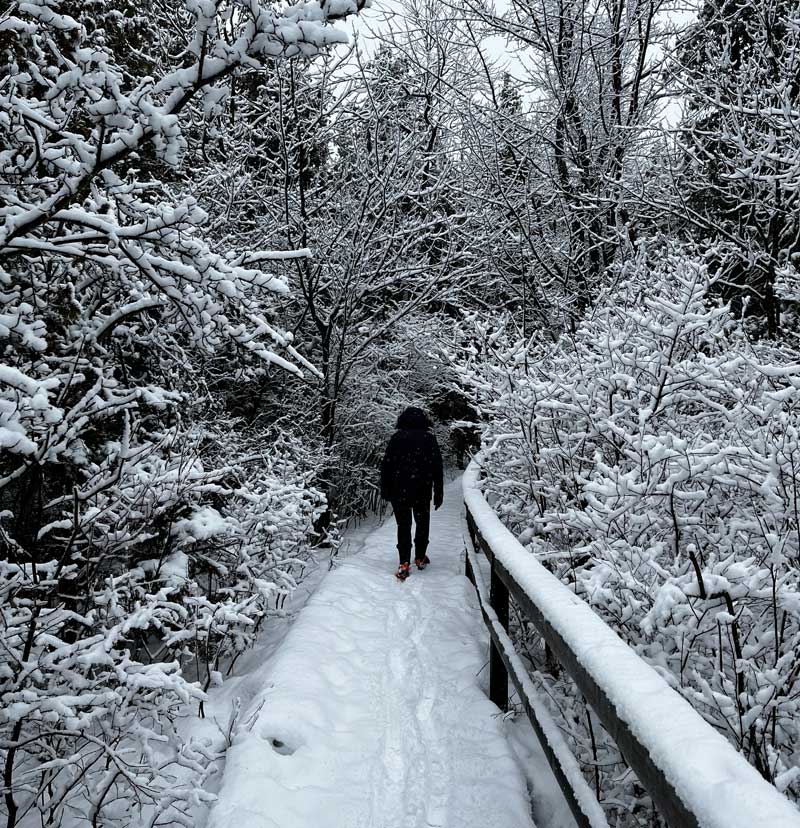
498 675
467 565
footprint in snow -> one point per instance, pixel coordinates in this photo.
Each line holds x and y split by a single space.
281 747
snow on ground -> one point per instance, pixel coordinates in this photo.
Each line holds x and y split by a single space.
372 715
550 809
251 673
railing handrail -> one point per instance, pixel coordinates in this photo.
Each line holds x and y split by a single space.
694 775
582 801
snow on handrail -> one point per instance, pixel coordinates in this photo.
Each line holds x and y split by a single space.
579 796
694 775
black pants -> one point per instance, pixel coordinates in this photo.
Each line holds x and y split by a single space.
421 511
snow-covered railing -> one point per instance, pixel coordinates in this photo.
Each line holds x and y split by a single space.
694 776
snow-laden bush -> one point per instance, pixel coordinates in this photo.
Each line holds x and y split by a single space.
144 534
652 460
163 566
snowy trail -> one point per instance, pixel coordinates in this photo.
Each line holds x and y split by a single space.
373 716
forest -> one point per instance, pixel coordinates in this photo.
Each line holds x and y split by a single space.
237 237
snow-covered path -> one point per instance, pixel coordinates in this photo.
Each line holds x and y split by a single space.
373 716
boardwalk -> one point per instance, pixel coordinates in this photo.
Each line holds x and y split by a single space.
373 717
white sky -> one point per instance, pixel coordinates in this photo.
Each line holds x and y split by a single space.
379 18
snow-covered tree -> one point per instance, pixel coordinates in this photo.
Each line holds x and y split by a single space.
737 70
366 173
145 532
591 80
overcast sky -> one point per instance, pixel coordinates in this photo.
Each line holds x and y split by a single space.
383 14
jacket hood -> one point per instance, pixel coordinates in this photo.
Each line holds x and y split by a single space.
413 418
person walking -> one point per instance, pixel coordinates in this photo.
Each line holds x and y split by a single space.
411 471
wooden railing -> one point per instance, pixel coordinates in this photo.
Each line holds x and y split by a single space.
624 692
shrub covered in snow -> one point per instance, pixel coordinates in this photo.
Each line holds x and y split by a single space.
651 459
145 533
159 570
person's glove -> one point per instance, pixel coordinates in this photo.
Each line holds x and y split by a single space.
437 500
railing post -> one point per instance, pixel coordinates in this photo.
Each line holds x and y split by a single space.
498 675
467 564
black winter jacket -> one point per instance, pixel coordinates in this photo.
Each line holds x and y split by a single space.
412 464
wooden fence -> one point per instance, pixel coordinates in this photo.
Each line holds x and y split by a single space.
682 803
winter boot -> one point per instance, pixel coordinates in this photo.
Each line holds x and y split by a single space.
403 572
422 562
